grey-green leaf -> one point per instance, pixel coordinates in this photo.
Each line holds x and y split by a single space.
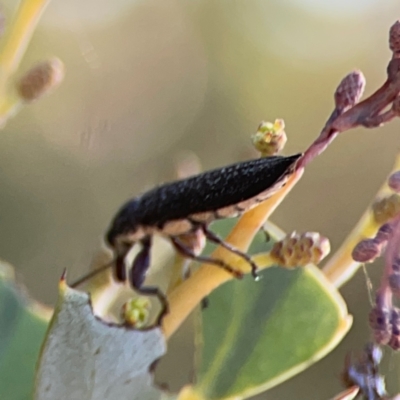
87 359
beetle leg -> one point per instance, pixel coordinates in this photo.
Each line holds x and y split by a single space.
92 274
212 237
120 268
137 275
187 252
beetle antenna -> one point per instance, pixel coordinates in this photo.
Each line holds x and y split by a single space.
91 274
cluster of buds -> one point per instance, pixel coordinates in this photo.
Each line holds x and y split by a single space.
135 312
300 249
385 325
384 210
384 318
270 138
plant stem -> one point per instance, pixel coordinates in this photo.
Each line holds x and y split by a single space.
18 35
341 266
186 296
12 48
9 106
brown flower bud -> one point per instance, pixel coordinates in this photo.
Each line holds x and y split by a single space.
300 249
350 90
366 251
396 265
41 79
384 233
379 321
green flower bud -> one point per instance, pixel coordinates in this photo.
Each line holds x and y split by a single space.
270 138
135 312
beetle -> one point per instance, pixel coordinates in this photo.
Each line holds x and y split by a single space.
181 208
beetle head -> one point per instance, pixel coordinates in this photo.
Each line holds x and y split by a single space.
124 224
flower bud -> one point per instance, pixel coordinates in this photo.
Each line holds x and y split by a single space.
300 249
41 79
386 208
379 321
366 251
270 138
350 90
396 265
384 233
135 312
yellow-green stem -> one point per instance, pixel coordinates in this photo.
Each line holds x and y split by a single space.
13 45
341 267
186 296
9 106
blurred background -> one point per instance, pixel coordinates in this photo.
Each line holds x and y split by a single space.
147 81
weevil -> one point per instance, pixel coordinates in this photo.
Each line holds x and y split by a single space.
188 206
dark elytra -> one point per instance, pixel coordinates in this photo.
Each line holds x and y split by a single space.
208 191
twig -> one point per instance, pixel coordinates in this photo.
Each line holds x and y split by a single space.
347 114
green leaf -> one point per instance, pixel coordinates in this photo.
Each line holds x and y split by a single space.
255 335
23 324
85 358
